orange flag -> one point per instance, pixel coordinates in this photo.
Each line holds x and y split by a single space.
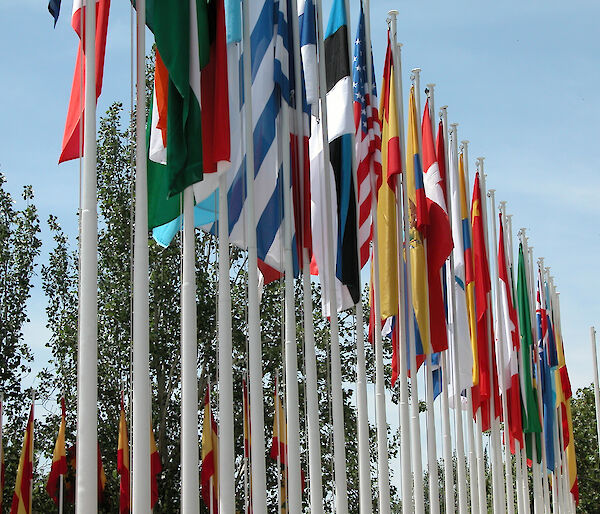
59 458
21 503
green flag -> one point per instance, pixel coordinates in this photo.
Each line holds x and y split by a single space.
182 39
531 413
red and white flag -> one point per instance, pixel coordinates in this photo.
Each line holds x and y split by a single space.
438 234
72 145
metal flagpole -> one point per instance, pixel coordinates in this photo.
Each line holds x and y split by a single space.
461 475
291 350
141 348
432 465
481 481
596 391
510 498
404 288
415 424
497 487
339 450
87 378
257 419
312 401
361 367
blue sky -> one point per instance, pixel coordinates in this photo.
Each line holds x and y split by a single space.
520 78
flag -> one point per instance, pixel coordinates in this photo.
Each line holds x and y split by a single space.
72 145
59 457
279 448
507 337
71 471
462 346
21 502
440 151
487 388
54 10
438 234
367 141
530 410
2 467
155 469
209 474
233 20
123 463
418 216
308 49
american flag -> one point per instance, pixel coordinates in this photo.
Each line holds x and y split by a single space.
368 139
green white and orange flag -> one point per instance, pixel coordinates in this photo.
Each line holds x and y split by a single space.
21 503
59 458
209 476
123 464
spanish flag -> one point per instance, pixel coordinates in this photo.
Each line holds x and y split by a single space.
418 218
209 476
155 469
279 448
59 458
123 463
21 503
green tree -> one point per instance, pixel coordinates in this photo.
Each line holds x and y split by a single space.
19 247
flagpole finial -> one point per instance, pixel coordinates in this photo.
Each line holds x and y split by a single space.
443 111
393 12
491 193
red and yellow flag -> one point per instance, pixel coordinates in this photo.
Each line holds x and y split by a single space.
279 448
59 458
21 503
209 476
123 463
155 469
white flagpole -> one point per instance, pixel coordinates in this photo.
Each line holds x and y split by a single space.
510 497
142 412
225 361
432 464
596 390
190 500
257 418
310 360
461 475
364 474
417 465
337 400
86 500
497 487
291 352
404 290
476 461
61 476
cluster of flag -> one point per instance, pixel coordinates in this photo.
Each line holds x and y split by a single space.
363 190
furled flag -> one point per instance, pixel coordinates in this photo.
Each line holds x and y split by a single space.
155 469
367 141
530 410
338 171
546 379
72 145
563 400
233 20
54 10
2 468
507 336
440 151
21 502
308 49
438 234
209 474
418 218
279 448
465 340
71 471
487 388
247 441
123 463
59 457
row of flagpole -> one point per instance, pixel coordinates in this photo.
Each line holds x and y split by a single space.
410 439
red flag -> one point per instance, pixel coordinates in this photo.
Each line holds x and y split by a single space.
209 474
21 502
440 150
59 458
155 469
72 145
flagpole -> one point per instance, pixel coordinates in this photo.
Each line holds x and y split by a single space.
415 425
510 498
60 477
364 474
291 350
87 379
337 400
141 495
497 488
461 475
434 492
33 391
476 444
404 289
